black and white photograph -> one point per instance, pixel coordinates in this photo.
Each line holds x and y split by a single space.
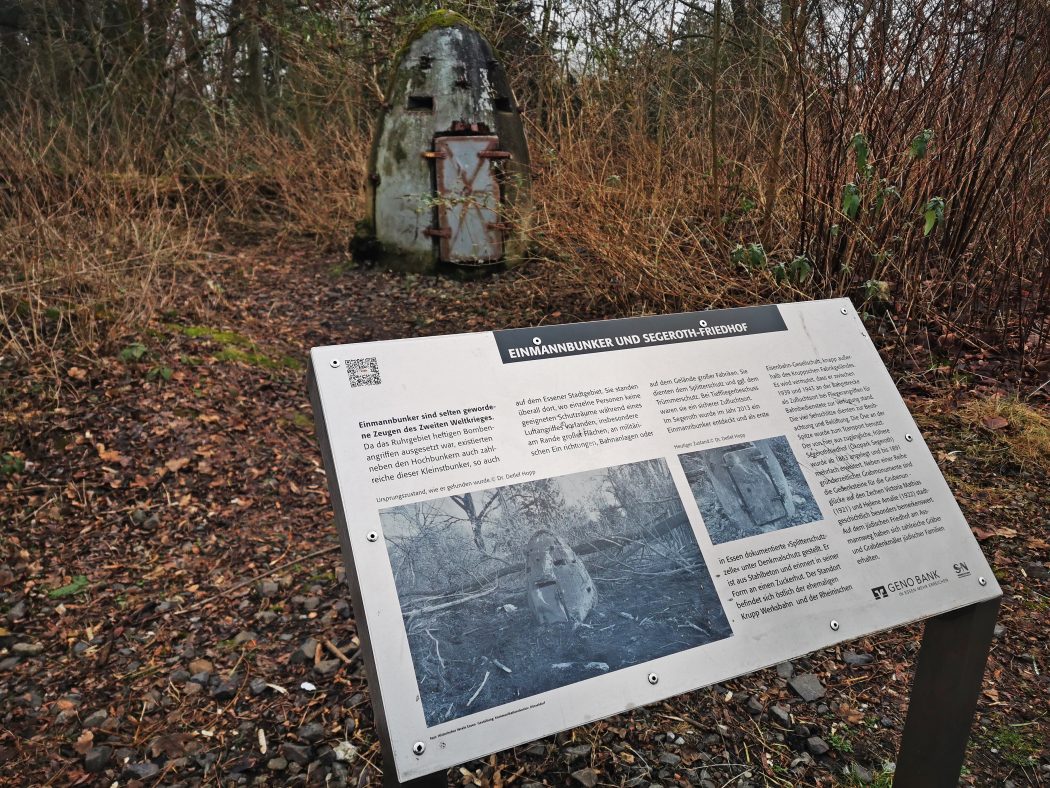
513 591
747 489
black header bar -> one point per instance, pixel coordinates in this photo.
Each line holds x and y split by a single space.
574 339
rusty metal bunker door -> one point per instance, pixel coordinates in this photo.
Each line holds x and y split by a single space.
469 228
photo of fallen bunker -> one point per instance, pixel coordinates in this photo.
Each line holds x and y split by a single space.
746 489
517 590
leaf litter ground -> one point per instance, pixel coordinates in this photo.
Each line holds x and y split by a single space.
172 598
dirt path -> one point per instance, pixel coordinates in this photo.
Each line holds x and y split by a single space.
172 604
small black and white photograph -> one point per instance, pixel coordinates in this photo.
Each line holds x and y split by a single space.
747 489
513 591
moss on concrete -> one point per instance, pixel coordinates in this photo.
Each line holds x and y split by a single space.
434 20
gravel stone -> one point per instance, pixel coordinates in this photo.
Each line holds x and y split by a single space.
312 732
227 690
327 667
297 753
141 771
576 752
807 686
586 777
98 758
95 718
305 652
860 774
817 745
855 659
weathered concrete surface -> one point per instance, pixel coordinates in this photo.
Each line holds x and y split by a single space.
446 76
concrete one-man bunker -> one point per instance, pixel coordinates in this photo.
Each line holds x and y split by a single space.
749 483
560 588
449 168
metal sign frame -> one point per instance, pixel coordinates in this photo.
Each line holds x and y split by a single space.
384 381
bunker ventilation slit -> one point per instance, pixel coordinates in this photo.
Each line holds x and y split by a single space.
421 103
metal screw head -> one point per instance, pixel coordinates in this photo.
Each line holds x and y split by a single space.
653 678
909 437
334 363
371 536
834 625
419 748
844 311
982 581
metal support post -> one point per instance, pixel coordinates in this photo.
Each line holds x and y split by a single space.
944 696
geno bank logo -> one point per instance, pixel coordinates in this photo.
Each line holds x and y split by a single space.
909 585
961 570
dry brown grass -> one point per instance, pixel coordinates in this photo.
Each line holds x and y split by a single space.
651 169
650 177
92 245
285 185
1020 429
87 257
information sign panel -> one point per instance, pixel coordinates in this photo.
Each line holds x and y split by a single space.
545 526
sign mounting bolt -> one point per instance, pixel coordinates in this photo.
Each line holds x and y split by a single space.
834 625
844 311
653 678
371 536
334 363
419 747
982 581
909 437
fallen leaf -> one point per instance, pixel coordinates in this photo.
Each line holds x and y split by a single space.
996 423
77 373
108 455
176 465
84 742
983 534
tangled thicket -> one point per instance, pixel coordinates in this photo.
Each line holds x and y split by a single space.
687 153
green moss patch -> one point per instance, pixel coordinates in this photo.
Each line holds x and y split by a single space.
236 347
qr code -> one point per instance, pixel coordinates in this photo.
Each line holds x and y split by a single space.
363 372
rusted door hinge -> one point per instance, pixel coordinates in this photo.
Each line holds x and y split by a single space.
494 154
436 232
433 154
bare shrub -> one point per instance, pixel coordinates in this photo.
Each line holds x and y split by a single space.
86 254
894 156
